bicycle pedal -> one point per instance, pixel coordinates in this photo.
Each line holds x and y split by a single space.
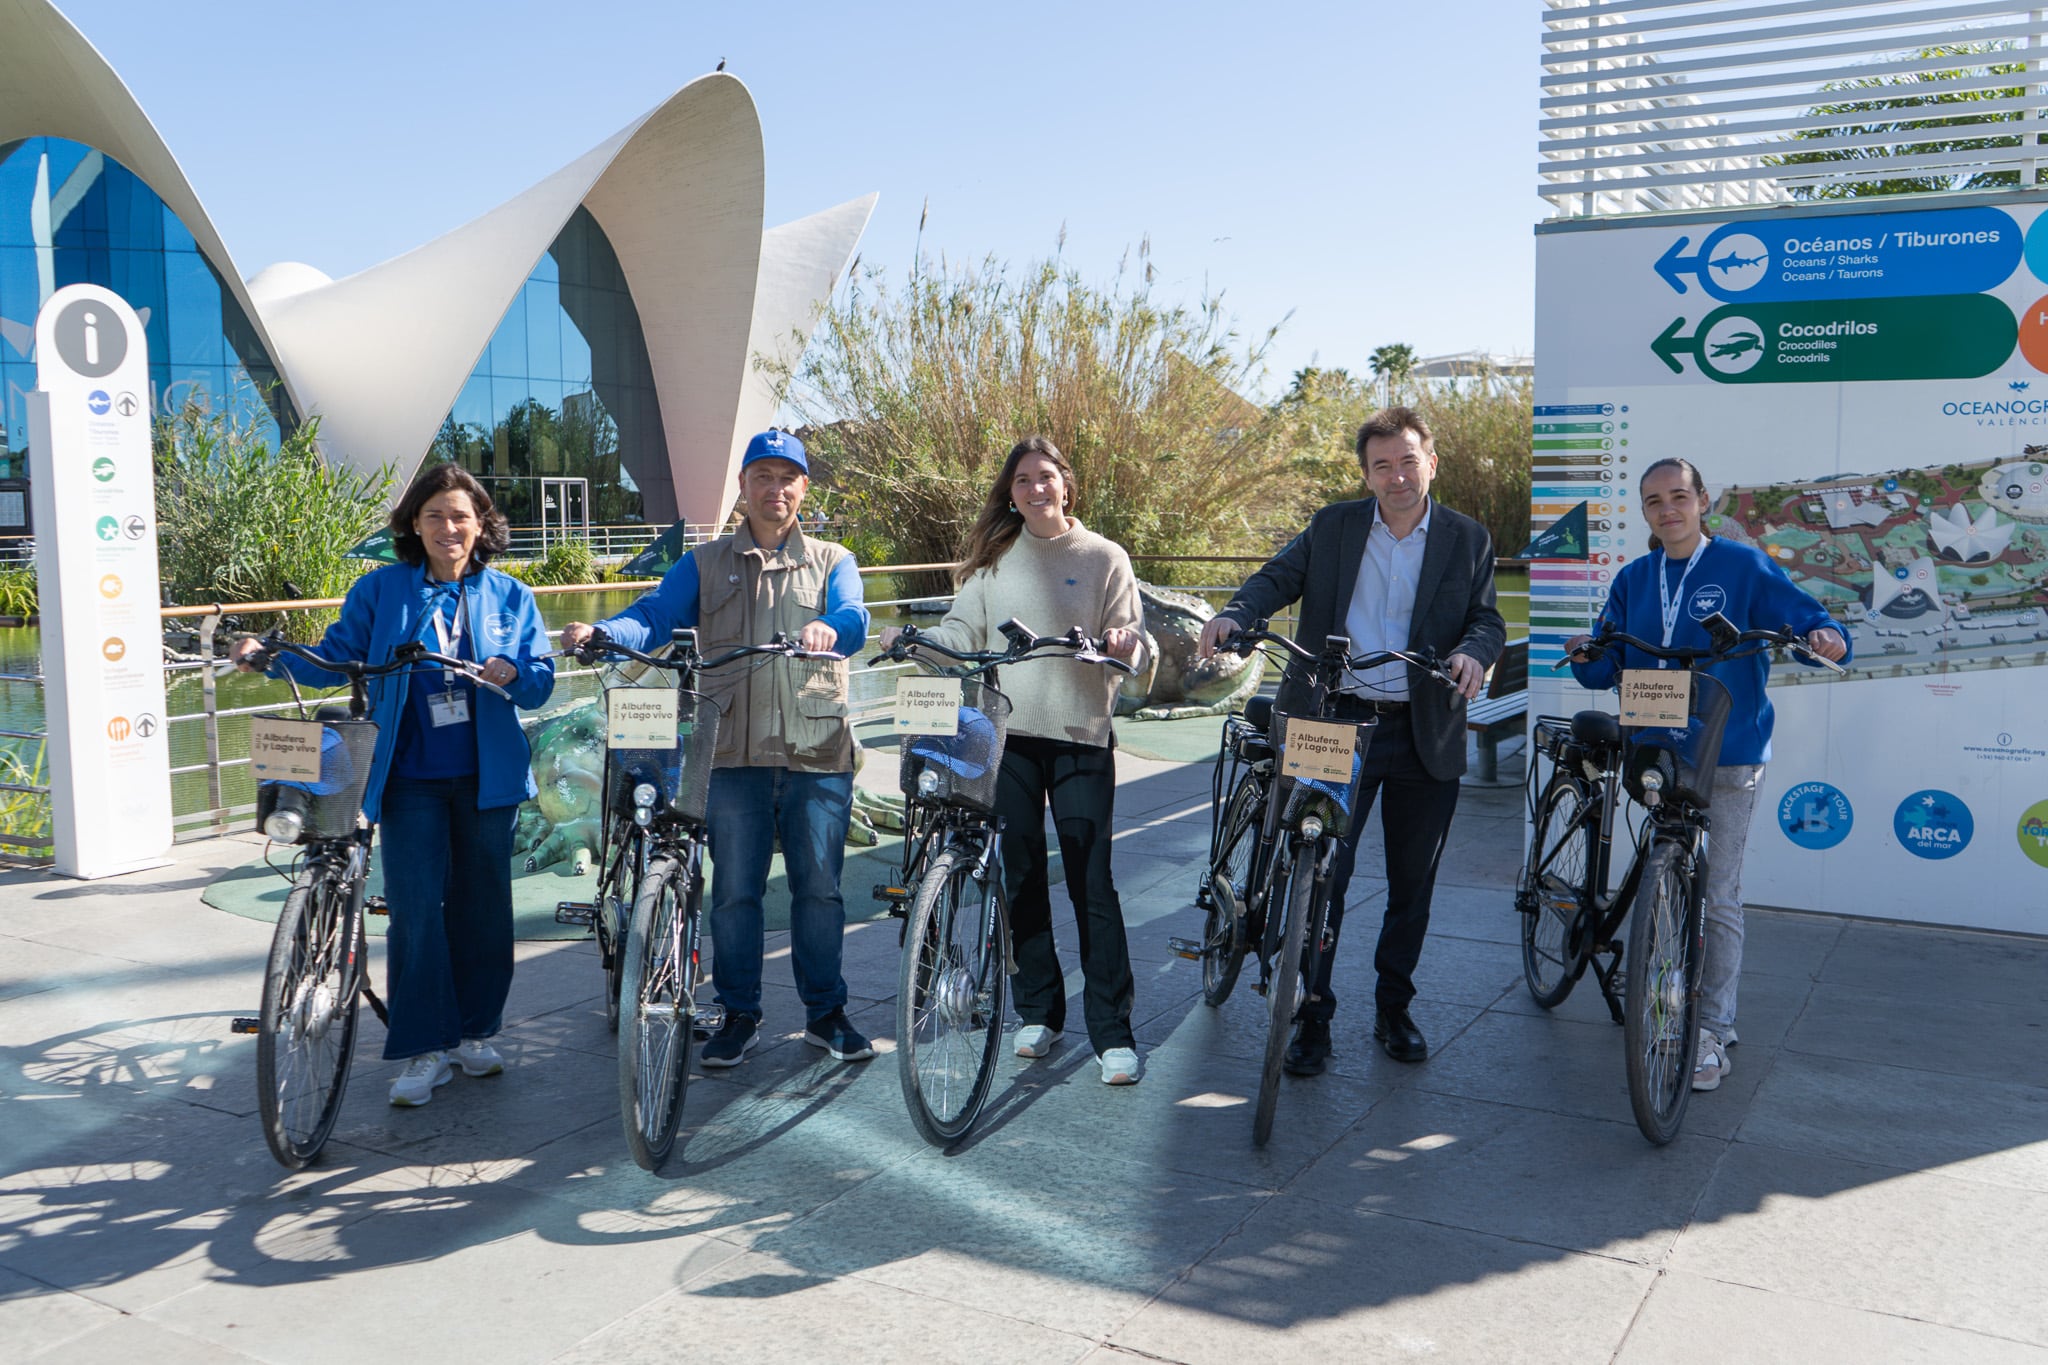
1189 948
244 1024
575 912
375 906
894 895
706 1020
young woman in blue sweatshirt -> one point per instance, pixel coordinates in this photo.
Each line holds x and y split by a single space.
450 769
1666 596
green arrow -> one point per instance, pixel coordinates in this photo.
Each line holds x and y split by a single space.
1833 341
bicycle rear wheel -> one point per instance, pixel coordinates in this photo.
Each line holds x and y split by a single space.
656 1003
1223 940
1661 1022
306 1036
949 1003
616 898
1552 893
1286 990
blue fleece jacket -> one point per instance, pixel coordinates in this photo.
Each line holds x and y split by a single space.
1743 585
387 608
673 605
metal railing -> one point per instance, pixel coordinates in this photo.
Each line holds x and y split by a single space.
1664 105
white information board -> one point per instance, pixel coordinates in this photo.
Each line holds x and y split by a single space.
91 481
1865 390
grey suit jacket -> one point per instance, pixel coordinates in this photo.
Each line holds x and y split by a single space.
1454 611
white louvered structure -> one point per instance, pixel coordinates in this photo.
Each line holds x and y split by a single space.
1671 105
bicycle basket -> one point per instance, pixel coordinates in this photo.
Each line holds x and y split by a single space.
682 775
963 764
1333 801
1687 758
332 804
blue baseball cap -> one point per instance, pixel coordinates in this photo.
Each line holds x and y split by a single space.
776 445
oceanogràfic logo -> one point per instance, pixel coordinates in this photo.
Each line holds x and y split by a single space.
2033 833
1933 824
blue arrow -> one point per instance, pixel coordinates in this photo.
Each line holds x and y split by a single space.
1674 265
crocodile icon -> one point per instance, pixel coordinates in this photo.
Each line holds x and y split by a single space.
1740 343
1734 262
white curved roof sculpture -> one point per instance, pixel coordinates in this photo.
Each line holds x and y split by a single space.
54 83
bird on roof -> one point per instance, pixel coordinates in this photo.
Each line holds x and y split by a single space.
720 66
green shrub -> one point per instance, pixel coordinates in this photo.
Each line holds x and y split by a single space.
25 814
567 562
18 589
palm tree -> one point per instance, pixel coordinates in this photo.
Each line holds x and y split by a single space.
1391 365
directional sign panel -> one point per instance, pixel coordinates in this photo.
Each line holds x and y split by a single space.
1857 256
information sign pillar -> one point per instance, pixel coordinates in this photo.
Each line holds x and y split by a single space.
94 499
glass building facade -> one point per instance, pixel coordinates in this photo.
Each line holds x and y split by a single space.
565 390
72 215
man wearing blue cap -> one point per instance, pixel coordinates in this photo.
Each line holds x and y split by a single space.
784 764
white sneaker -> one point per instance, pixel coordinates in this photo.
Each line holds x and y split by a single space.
1711 1064
1120 1066
1035 1040
478 1058
422 1076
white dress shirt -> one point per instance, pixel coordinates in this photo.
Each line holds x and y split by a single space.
1383 603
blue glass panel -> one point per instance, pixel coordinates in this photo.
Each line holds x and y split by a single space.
547 269
575 354
543 330
507 354
20 299
175 236
17 188
194 297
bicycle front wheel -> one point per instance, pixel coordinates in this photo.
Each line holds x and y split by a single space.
949 1003
1230 871
1286 989
306 1037
1661 1022
1552 893
656 1003
616 898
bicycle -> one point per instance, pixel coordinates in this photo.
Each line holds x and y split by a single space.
1570 921
657 784
1274 841
318 971
956 936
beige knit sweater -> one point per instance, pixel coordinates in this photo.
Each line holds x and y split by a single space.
1075 579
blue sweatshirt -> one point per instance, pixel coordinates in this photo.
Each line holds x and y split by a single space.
673 605
387 608
1743 585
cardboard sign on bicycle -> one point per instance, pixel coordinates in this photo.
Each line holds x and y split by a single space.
641 718
927 706
284 750
1318 749
1656 697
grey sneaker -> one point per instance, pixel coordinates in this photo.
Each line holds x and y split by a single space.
1120 1066
733 1041
1036 1040
423 1075
477 1057
1711 1063
838 1037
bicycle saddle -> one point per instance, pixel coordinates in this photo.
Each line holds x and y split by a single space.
1596 730
1258 713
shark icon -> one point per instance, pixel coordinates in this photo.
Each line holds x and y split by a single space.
1734 262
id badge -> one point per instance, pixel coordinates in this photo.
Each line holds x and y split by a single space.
448 708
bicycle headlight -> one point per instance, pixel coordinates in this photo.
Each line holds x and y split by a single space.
927 783
284 826
1653 788
1311 827
643 796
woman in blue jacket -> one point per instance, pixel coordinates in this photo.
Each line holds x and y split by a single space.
1665 596
450 770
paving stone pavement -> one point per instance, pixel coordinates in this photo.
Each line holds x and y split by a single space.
1870 1185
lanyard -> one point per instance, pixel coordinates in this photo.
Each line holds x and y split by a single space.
450 633
1671 602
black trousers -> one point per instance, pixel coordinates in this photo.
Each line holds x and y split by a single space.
1079 781
1415 816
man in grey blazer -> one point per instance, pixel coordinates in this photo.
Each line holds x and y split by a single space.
1396 570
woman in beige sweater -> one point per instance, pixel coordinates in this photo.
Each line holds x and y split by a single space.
1028 558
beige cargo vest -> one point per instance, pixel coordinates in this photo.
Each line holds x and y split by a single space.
776 713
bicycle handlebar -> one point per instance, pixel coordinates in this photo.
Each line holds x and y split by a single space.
403 658
686 657
1335 653
1023 644
1727 641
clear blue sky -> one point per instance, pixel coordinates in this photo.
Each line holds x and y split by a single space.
1368 166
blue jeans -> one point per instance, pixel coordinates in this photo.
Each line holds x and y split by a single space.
448 883
749 807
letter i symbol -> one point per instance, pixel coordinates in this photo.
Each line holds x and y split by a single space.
92 338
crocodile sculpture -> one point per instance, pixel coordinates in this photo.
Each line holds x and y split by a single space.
1179 686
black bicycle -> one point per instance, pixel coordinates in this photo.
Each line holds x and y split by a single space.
319 968
1571 920
956 934
1274 839
659 745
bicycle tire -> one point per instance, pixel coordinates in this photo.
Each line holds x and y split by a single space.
1223 939
1553 891
950 1000
657 1006
1286 990
618 902
1661 1022
306 1034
